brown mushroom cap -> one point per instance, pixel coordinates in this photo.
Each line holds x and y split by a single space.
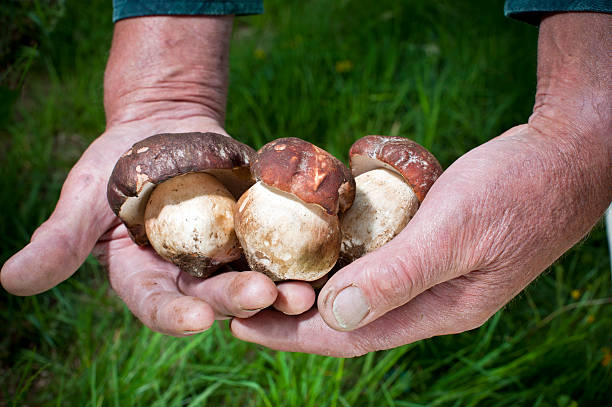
306 171
163 156
412 161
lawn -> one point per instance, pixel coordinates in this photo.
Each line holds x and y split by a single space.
448 74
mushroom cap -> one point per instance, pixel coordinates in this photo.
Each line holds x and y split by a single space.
163 156
412 161
300 168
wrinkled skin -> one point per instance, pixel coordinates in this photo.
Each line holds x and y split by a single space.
165 74
492 223
494 220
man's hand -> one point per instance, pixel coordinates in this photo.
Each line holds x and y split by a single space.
492 222
165 74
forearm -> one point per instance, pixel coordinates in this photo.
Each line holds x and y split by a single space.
574 88
168 68
573 107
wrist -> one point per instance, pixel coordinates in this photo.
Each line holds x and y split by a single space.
167 68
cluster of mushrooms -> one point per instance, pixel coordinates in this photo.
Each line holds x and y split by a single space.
202 200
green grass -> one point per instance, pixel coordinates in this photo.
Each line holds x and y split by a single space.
449 75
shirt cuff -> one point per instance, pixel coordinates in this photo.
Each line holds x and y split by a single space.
138 8
531 11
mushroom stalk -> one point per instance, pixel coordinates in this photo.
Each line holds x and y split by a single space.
287 223
392 176
189 220
384 204
286 238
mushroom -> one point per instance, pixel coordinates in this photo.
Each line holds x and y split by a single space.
177 192
392 176
287 223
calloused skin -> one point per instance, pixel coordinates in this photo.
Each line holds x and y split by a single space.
164 74
492 222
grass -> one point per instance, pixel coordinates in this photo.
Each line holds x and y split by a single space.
449 75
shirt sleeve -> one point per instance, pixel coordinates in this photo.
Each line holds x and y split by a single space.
531 11
138 8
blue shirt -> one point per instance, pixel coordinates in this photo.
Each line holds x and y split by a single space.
530 11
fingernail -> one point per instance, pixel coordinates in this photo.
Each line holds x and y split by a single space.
350 307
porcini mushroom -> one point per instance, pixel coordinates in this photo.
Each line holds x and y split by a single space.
287 223
392 176
177 192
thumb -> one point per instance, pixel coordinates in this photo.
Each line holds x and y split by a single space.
421 256
61 244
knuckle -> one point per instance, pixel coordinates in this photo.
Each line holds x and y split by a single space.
148 311
399 281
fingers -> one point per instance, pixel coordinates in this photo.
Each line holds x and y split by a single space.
172 313
294 297
452 307
394 274
309 333
240 294
148 286
243 294
61 244
306 333
172 302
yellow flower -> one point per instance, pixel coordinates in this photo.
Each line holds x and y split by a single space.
590 319
576 294
607 357
260 53
344 66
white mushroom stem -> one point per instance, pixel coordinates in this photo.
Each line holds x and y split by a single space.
284 237
384 204
190 218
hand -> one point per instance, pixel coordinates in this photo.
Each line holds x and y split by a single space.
492 222
160 96
155 290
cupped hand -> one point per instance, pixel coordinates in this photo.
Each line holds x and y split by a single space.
165 74
492 223
162 297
